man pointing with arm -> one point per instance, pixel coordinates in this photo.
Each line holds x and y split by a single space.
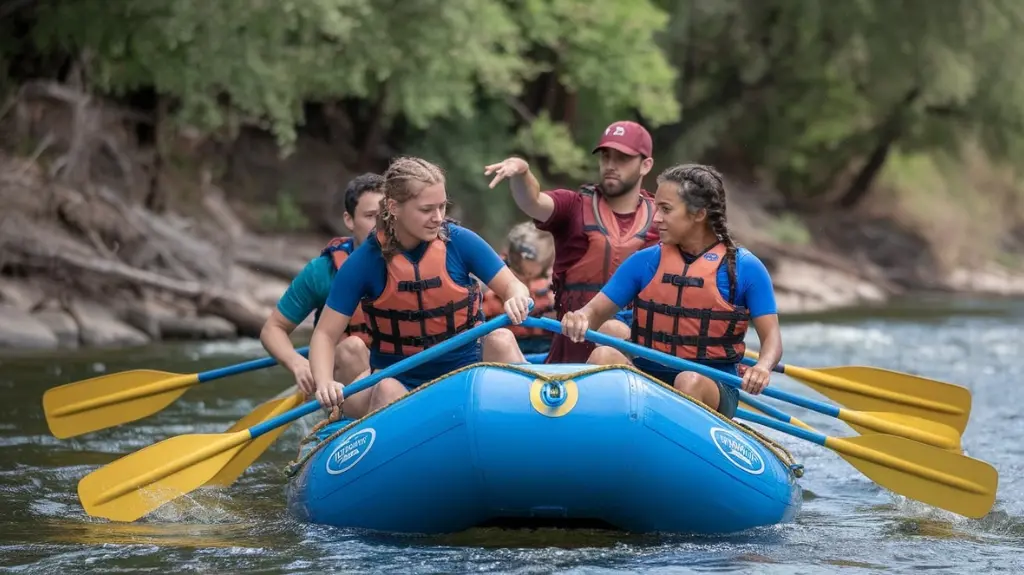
595 228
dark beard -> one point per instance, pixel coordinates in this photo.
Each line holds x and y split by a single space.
623 187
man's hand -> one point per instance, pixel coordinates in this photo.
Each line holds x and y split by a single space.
506 169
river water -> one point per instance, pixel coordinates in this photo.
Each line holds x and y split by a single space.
847 523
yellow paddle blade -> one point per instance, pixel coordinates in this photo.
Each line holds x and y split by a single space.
111 400
908 426
875 389
255 448
138 483
940 478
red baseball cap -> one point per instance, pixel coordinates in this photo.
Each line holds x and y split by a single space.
627 137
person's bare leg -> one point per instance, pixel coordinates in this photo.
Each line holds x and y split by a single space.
615 328
351 359
387 391
703 389
500 346
606 355
351 363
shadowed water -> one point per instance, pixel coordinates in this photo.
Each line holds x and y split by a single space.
847 524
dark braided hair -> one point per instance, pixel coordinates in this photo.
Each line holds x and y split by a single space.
702 187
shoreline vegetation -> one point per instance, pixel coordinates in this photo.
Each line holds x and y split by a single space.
166 169
88 269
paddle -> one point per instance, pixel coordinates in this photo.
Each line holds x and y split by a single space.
918 429
758 405
138 483
110 400
934 476
875 389
255 448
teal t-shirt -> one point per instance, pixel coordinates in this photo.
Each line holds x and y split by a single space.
308 291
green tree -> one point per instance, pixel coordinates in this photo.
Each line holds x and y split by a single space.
817 95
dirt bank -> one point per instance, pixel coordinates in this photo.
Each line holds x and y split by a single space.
83 267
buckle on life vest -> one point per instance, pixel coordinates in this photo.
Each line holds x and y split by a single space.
416 314
419 340
682 281
741 313
420 285
694 340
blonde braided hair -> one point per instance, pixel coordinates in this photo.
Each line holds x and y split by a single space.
399 180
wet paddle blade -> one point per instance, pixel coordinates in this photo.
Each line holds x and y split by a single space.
947 437
111 400
139 483
255 448
876 389
939 478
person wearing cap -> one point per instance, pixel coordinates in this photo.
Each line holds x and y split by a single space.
595 228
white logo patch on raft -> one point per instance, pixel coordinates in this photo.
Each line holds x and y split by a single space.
351 450
738 450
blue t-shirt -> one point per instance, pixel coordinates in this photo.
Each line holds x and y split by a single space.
754 289
309 290
364 275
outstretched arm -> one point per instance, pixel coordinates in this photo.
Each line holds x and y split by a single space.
525 187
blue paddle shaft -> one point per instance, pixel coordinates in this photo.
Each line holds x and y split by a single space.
685 365
393 370
787 428
252 365
770 410
780 368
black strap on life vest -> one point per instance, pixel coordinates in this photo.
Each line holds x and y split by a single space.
374 316
586 291
646 334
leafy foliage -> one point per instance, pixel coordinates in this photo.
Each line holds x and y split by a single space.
813 95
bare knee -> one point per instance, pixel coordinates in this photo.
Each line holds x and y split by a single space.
351 357
698 386
615 328
351 349
606 355
501 346
387 391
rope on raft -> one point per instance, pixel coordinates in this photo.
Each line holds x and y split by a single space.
293 467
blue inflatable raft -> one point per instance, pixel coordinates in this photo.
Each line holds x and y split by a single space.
543 443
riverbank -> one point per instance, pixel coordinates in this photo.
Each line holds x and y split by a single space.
108 239
85 268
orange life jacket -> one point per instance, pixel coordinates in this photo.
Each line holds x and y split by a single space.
607 248
421 305
338 249
682 313
543 306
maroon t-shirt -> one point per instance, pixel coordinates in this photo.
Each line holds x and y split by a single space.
566 225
